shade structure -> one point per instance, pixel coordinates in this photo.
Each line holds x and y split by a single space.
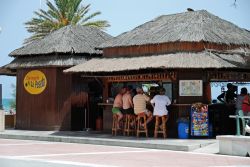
184 60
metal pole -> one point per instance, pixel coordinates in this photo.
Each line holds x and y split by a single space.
85 117
238 125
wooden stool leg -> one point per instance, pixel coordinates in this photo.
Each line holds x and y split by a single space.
128 125
145 125
138 126
144 129
125 125
114 124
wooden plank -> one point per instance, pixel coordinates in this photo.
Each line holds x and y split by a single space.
143 77
162 48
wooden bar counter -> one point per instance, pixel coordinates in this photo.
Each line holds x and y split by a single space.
107 116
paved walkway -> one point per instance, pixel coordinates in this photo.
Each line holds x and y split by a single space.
196 145
29 153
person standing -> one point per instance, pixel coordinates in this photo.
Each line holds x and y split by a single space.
246 105
240 99
228 96
117 106
246 110
140 101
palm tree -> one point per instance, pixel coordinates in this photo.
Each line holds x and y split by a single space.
63 13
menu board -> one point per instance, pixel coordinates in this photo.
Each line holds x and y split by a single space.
190 87
199 121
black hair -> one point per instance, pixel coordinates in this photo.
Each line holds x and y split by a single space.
243 91
229 85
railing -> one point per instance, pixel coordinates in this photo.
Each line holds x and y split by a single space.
237 117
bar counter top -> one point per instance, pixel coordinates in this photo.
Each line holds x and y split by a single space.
110 104
105 104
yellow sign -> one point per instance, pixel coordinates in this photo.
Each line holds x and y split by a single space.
35 82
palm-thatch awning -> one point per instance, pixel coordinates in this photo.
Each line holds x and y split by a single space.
183 60
191 26
70 39
6 71
44 61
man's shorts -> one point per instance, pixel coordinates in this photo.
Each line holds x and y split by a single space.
115 110
147 112
128 111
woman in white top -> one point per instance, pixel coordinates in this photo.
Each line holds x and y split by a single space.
160 102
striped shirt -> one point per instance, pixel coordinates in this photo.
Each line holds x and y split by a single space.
140 103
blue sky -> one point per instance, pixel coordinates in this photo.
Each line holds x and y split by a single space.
122 15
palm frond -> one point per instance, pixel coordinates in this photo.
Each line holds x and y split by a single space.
85 19
59 14
101 24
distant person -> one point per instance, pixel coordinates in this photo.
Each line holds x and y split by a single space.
160 103
246 104
239 100
246 110
127 102
229 96
117 106
140 101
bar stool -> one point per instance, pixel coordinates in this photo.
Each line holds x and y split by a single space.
163 131
141 120
114 124
129 119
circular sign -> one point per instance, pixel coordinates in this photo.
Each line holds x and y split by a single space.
35 82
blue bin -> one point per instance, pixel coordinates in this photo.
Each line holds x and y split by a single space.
183 130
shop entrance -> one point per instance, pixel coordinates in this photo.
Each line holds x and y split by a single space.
84 100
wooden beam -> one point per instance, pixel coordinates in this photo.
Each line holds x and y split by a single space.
143 77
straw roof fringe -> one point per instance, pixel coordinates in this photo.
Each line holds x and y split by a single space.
69 39
205 59
45 61
6 71
189 26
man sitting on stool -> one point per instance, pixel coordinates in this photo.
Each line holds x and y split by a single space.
140 100
117 106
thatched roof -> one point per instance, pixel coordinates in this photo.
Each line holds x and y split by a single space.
183 60
44 61
191 26
70 39
6 71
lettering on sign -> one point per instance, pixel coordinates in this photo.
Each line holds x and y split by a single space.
35 82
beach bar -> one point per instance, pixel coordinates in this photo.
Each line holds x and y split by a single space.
46 98
183 52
